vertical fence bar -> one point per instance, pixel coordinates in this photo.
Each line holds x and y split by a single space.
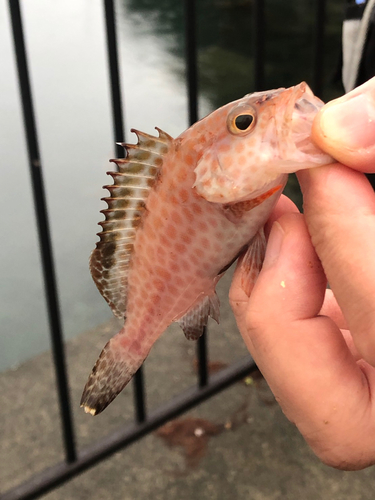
118 120
192 87
139 397
259 26
118 130
202 356
43 231
191 59
318 58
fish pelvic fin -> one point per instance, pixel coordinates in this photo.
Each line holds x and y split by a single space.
132 183
113 370
194 321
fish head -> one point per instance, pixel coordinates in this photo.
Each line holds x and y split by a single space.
259 139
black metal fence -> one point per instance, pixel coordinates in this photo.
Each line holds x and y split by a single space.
77 461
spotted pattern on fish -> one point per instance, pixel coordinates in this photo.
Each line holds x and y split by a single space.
180 210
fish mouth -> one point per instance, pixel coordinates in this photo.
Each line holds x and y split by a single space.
304 100
304 108
301 108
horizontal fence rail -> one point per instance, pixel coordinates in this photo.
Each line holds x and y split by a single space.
81 460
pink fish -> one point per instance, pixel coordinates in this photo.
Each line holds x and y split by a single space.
180 212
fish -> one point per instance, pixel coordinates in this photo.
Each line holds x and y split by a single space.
181 211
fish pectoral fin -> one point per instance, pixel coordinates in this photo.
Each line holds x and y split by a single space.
194 321
114 368
252 262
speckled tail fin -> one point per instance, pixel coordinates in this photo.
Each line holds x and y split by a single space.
113 370
138 172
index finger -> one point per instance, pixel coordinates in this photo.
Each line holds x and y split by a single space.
345 128
339 207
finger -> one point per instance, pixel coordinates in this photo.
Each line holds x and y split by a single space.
350 343
339 206
283 206
303 356
345 128
331 309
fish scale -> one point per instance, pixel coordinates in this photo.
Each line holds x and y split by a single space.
179 213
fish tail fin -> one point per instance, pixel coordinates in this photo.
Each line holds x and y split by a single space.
113 370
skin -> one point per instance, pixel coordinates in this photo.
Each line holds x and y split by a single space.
316 347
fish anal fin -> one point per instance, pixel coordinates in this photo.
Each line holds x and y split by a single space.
252 262
194 321
136 177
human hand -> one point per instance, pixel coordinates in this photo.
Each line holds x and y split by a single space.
316 347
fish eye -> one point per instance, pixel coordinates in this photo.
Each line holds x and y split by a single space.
241 121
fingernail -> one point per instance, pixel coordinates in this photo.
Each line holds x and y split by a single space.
350 122
274 245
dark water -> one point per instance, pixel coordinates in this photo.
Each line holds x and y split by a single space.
66 48
226 42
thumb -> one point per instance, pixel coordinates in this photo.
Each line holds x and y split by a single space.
345 128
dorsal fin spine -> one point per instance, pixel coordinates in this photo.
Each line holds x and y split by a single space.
120 214
110 261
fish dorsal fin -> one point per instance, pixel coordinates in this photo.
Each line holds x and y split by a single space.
137 173
194 321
